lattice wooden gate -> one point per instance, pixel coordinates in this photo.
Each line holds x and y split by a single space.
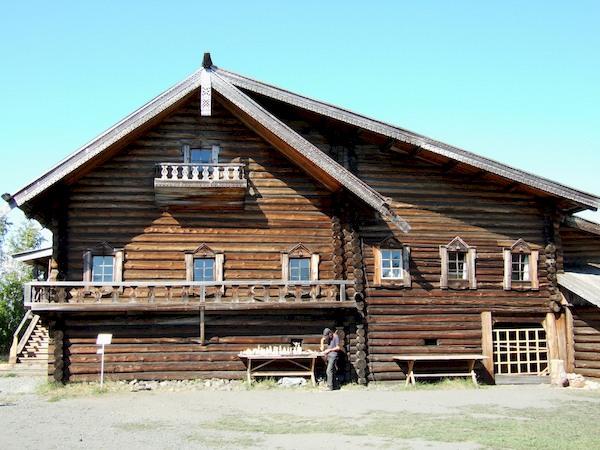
520 351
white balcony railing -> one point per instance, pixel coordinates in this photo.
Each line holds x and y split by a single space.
178 292
182 172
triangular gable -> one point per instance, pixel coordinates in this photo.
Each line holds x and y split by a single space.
458 245
282 137
409 137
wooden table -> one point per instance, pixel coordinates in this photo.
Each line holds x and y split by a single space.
469 359
261 365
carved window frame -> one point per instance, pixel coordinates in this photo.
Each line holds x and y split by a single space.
204 251
104 249
521 247
391 243
299 251
186 150
458 245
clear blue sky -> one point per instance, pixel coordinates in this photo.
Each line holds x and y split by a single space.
515 81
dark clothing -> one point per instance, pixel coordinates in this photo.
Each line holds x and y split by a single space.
335 342
332 361
331 372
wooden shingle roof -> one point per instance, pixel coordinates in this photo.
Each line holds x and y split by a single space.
233 88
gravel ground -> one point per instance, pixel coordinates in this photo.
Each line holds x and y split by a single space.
275 418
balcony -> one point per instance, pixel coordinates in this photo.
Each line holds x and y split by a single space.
202 186
181 296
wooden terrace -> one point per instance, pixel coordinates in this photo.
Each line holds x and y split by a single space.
186 295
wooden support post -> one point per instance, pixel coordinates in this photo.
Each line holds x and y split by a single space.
561 335
202 335
570 337
487 344
551 336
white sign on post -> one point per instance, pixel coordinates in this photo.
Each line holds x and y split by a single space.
102 339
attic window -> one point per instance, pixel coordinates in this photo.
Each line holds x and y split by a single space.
458 265
201 154
520 267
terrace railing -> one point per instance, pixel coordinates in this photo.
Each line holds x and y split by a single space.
199 172
178 292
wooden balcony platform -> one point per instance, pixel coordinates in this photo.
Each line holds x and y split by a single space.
186 296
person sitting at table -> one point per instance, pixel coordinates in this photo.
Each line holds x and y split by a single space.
331 353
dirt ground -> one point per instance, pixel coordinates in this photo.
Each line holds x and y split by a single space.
32 415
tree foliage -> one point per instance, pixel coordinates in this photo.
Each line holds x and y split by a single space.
26 236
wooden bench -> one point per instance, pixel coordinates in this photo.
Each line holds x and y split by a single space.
262 365
469 359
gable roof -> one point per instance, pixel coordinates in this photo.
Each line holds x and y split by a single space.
409 137
230 86
582 224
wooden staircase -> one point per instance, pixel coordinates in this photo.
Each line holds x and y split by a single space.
30 347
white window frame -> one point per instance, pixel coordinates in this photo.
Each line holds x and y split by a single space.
391 244
299 251
469 279
204 251
103 249
521 247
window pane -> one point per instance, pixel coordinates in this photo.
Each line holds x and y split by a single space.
204 269
198 155
391 263
457 269
299 269
102 268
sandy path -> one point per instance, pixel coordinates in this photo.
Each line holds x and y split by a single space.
160 419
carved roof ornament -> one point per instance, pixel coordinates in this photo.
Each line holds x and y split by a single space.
520 247
205 91
457 245
101 248
299 250
202 250
390 242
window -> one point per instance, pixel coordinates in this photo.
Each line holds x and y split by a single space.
520 267
204 269
204 264
457 268
458 265
201 154
299 264
392 261
299 269
103 263
102 268
391 264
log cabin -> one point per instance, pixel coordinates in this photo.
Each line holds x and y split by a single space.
228 213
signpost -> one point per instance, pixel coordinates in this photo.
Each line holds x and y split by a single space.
102 339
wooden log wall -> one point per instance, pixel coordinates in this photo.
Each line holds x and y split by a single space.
439 205
115 203
586 334
166 346
580 248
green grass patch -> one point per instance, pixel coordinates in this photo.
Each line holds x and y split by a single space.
8 375
224 440
149 425
569 425
54 391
